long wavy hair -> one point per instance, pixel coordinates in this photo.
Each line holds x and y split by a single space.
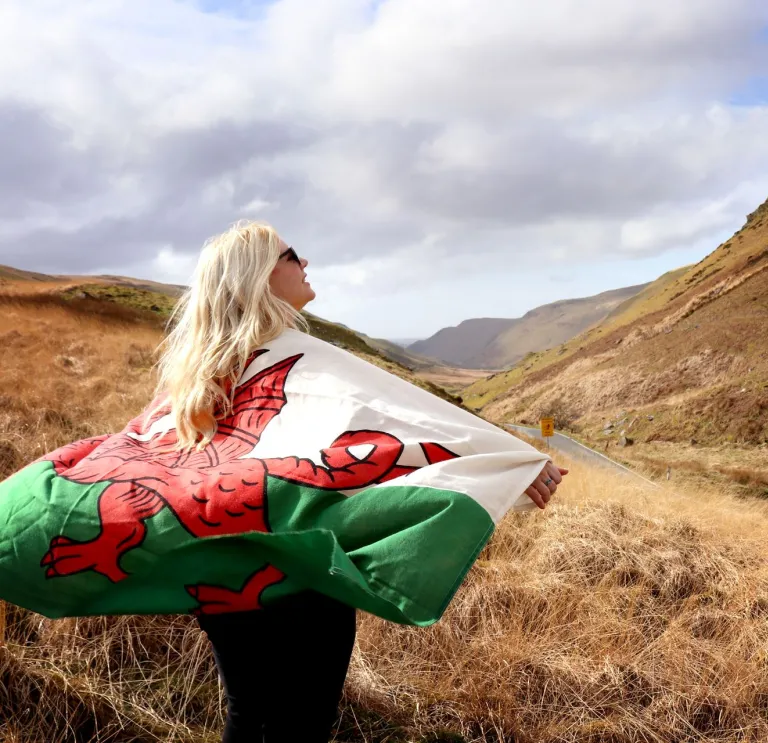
228 311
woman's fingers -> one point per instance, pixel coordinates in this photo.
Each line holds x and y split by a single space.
540 493
544 490
553 473
536 496
556 473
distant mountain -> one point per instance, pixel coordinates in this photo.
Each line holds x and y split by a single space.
460 345
404 342
494 343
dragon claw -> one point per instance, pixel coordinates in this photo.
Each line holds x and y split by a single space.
66 556
220 600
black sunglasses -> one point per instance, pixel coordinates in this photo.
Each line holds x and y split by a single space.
292 256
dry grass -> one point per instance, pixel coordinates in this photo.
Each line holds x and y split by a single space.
622 614
68 373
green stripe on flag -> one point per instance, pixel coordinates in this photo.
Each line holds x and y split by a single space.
396 551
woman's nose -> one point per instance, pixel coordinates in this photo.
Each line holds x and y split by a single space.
304 262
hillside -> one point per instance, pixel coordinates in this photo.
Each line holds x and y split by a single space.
159 299
129 311
404 356
495 343
681 370
14 275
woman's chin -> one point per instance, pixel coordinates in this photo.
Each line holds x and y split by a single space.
306 297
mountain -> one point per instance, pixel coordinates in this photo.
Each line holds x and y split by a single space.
680 370
494 343
459 345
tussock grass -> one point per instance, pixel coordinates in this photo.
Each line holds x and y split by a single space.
622 614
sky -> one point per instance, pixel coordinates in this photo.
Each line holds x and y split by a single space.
434 160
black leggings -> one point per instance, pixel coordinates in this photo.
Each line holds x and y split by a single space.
283 667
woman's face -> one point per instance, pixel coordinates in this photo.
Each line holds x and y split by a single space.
288 280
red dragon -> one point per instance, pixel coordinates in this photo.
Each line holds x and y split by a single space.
211 492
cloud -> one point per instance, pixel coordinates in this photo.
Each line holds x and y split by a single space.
394 143
41 165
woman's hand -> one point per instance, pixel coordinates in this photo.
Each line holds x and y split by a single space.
544 486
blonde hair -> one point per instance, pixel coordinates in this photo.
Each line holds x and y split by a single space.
227 313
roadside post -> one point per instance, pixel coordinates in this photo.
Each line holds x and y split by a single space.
547 429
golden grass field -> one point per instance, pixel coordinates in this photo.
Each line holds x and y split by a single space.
621 614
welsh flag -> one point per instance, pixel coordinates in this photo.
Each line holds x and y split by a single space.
330 474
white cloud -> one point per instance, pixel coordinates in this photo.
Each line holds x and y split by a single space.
172 267
409 148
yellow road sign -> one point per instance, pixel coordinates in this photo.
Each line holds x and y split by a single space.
547 427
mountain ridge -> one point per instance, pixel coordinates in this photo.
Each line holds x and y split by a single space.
493 343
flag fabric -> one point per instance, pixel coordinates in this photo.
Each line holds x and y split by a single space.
330 474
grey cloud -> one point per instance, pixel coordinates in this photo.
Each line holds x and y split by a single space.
40 164
193 155
173 171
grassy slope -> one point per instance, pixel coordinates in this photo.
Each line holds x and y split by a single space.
152 302
138 298
159 299
7 273
404 356
690 351
155 307
18 275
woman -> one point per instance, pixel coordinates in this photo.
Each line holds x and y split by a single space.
250 286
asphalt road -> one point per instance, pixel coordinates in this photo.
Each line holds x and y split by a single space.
575 450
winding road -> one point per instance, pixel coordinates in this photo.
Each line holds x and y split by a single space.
575 450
